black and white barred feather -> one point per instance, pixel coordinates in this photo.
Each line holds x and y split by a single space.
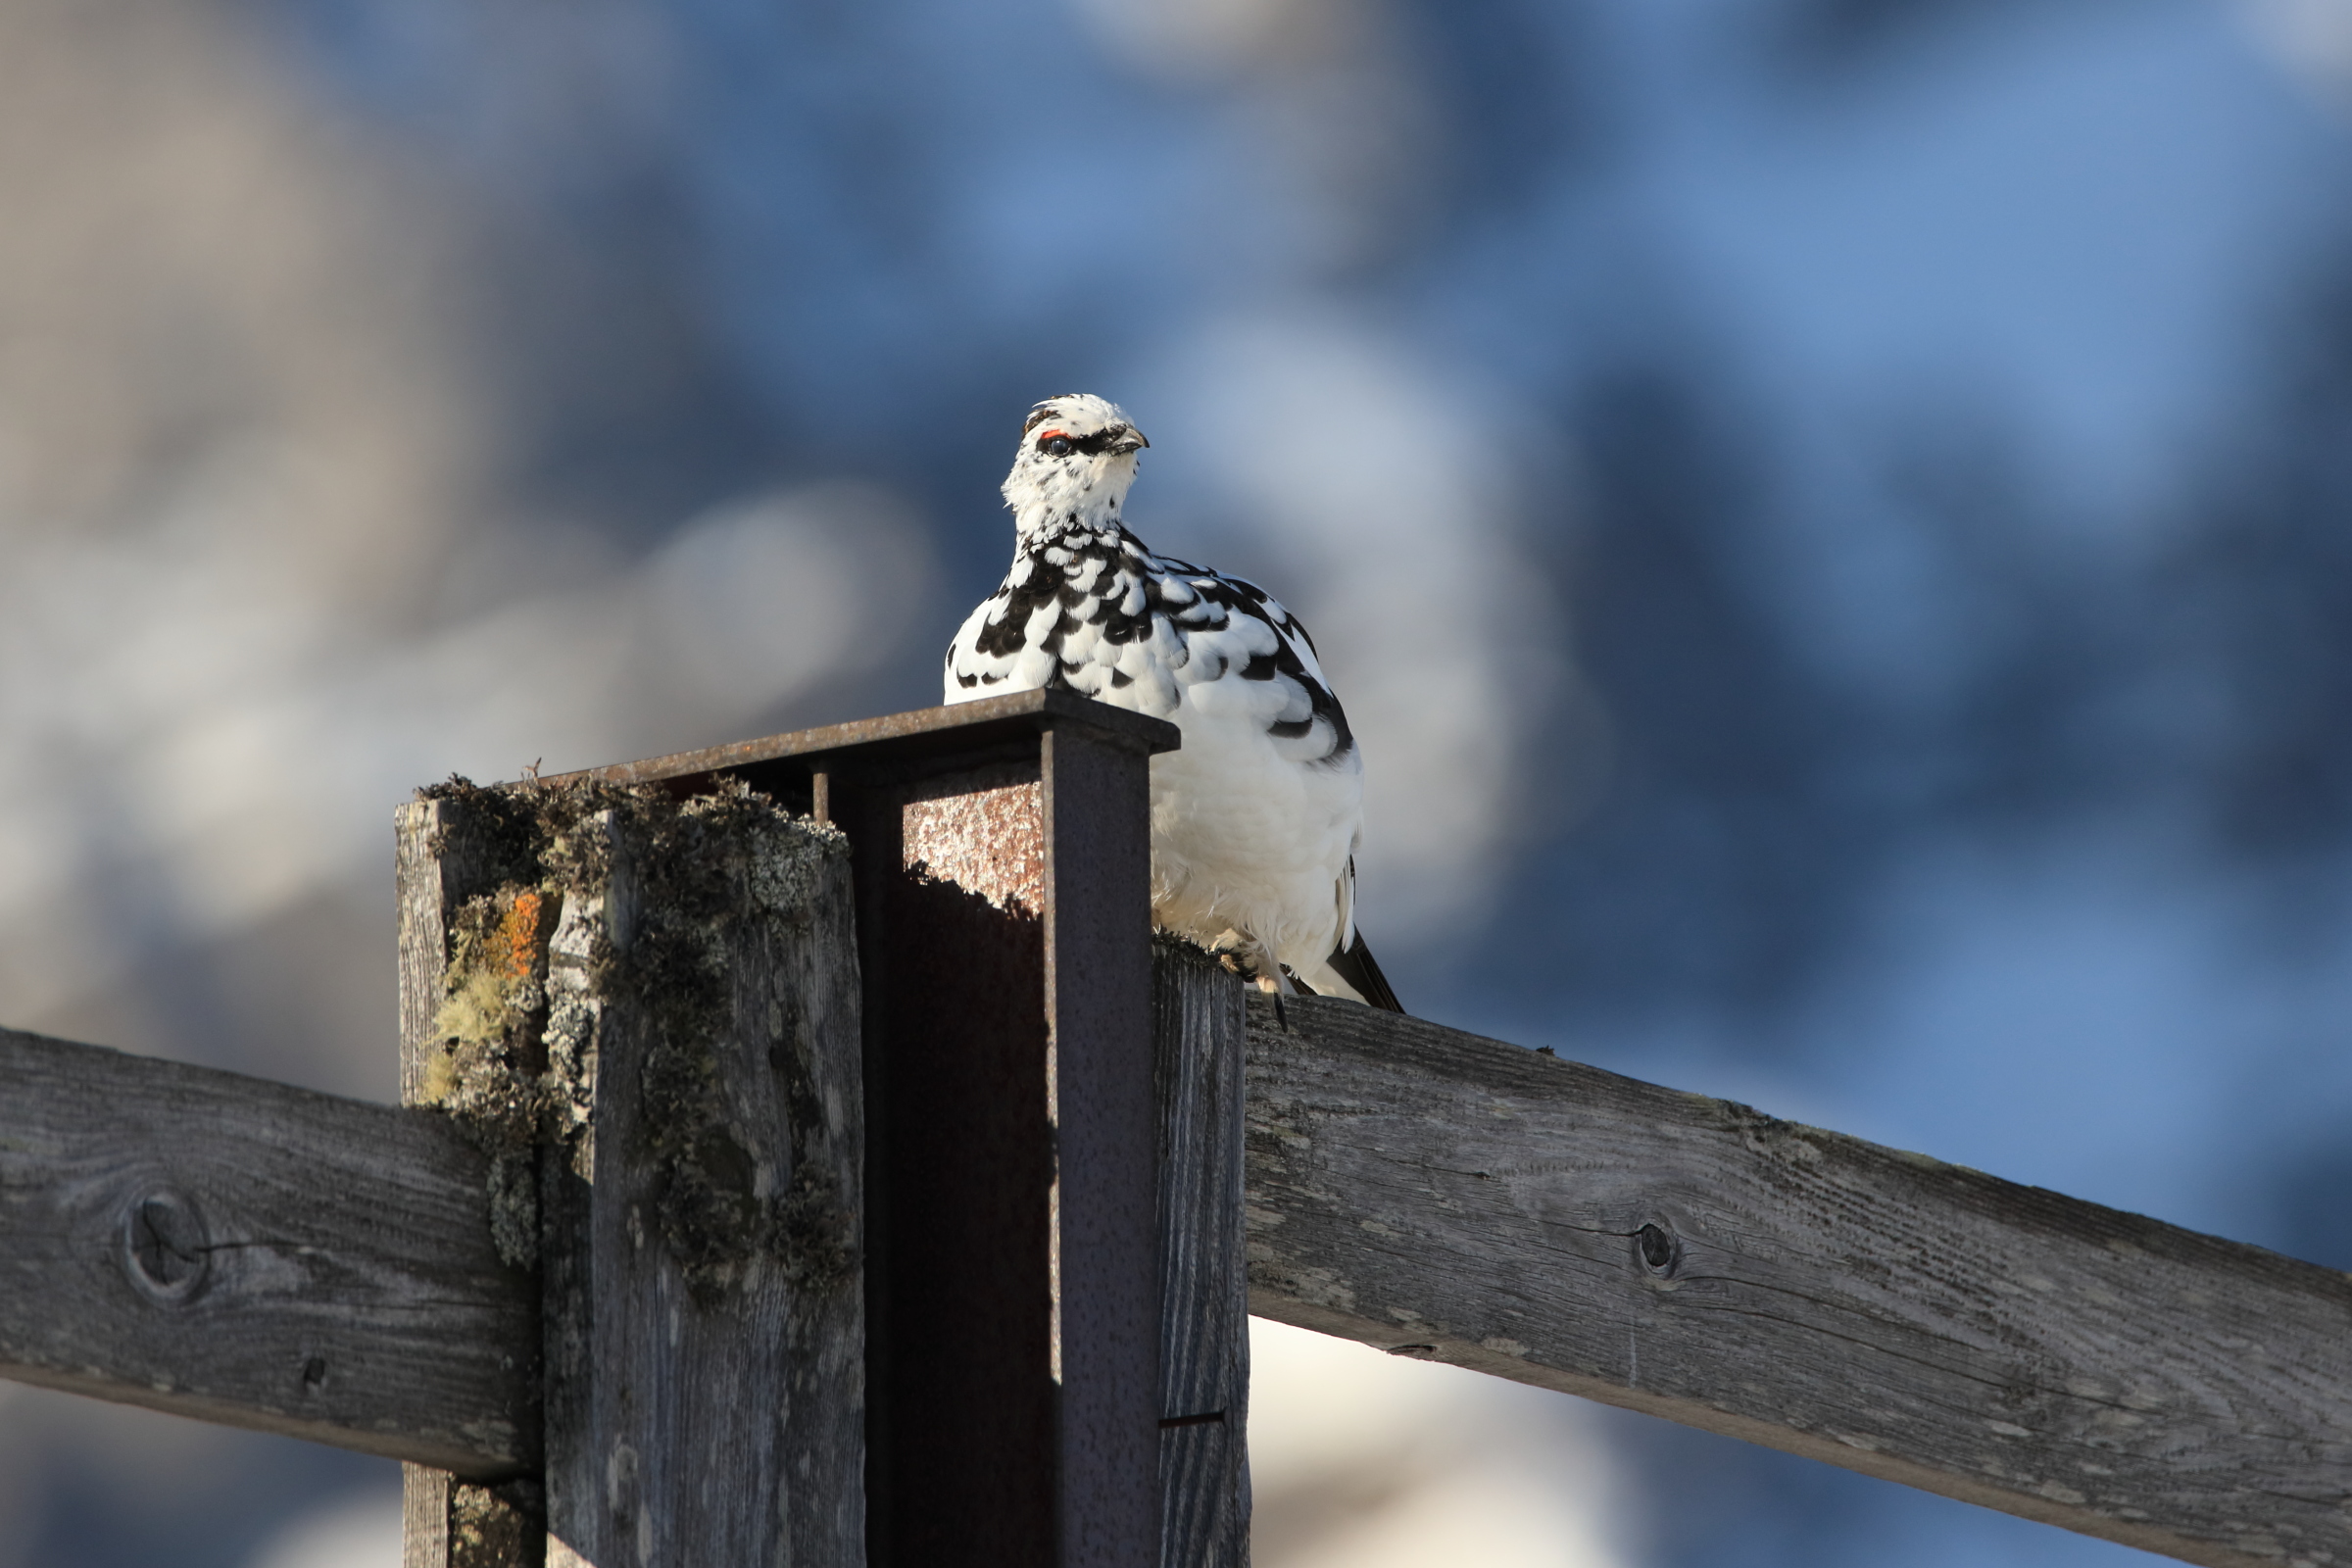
1256 820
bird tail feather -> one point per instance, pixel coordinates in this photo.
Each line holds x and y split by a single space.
1356 966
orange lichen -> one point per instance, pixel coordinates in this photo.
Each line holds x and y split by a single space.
517 943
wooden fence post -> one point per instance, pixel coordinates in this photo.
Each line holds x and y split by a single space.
649 1008
446 853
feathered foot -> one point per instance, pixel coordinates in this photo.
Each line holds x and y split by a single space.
1253 961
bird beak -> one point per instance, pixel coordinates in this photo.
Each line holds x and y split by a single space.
1128 442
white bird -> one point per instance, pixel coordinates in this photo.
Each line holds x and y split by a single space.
1256 819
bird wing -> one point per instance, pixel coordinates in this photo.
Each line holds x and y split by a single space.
1100 614
1238 637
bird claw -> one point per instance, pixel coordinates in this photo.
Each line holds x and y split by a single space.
1244 954
1252 959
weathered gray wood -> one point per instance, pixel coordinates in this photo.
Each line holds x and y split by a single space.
252 1253
447 853
701 1224
1444 1196
1197 1026
465 1524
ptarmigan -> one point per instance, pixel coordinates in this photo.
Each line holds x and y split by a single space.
1256 820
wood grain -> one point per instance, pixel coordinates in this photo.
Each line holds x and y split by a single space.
463 1523
445 853
1198 1022
1444 1196
252 1253
702 1232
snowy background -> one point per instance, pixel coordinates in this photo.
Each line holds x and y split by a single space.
1833 519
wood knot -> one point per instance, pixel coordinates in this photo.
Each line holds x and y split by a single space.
166 1249
1657 1249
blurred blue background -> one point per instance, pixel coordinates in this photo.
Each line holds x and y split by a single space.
1833 519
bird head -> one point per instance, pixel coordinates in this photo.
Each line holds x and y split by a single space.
1076 461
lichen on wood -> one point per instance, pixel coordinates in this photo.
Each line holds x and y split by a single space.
493 999
695 869
486 1067
633 893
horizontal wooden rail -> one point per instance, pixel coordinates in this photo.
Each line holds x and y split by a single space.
243 1251
1447 1197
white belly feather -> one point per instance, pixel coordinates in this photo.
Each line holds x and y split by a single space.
1245 838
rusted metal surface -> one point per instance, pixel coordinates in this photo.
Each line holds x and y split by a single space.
1014 1297
1099 1011
920 738
960 1392
988 839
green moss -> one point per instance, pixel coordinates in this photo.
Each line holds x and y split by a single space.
534 967
700 867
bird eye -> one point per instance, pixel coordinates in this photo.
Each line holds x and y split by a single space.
1057 443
